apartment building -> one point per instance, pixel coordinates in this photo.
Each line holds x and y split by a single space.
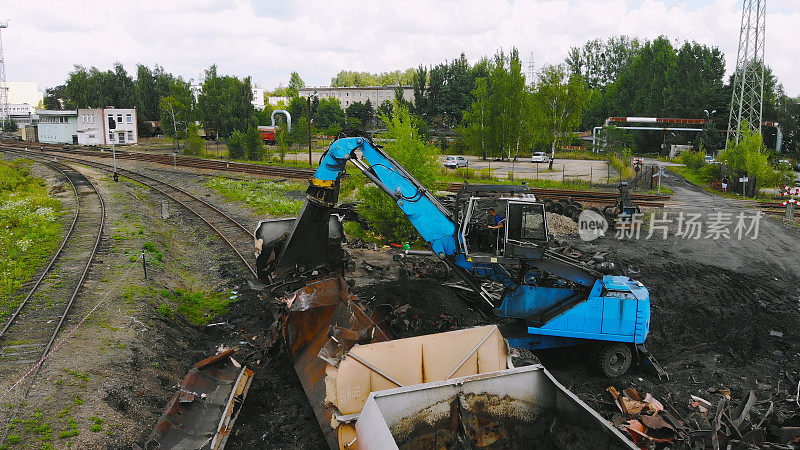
350 95
93 126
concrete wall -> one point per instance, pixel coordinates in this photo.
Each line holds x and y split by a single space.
91 128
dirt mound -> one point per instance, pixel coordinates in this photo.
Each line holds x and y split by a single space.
433 307
704 309
561 225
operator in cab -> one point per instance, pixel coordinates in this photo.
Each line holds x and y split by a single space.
497 220
497 226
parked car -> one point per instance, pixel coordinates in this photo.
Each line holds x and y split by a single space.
540 157
454 162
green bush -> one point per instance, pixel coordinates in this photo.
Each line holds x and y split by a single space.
253 144
195 142
693 160
750 156
708 172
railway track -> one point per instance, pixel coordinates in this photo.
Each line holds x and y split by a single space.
182 161
29 334
221 223
648 200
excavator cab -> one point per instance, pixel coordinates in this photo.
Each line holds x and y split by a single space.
523 234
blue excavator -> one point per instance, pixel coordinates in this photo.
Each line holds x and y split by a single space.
552 300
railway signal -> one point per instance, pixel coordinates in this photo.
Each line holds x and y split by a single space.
790 203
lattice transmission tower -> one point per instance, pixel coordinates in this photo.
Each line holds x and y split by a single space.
747 98
531 72
4 112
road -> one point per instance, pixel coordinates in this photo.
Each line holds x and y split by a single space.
589 170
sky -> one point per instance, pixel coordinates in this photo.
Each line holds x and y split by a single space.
267 40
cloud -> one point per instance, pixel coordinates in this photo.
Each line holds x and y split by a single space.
317 38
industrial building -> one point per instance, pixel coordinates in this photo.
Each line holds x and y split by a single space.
349 95
58 127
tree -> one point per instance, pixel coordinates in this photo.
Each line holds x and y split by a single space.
329 115
55 98
598 62
225 103
236 145
299 133
495 122
386 108
476 120
295 84
361 112
418 157
560 100
283 142
788 116
174 117
347 78
750 157
10 126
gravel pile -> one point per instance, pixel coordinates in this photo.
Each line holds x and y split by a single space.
559 225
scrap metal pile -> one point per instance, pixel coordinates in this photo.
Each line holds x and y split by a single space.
770 422
205 405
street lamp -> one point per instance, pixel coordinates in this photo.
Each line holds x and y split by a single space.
309 126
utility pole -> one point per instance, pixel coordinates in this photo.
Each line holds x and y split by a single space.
4 111
747 97
309 127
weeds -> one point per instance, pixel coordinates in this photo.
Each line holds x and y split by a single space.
200 307
265 196
156 255
79 375
29 228
165 311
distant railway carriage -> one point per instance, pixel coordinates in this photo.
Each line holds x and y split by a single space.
267 133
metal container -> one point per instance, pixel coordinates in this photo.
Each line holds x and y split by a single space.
523 407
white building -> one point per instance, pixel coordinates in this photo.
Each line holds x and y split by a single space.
275 101
258 98
93 126
23 93
58 127
350 95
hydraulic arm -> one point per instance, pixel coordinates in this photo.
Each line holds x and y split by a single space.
557 300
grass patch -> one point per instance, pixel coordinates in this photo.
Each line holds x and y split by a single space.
155 256
265 196
199 307
29 228
79 375
621 165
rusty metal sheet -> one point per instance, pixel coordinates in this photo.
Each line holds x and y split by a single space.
321 322
206 403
